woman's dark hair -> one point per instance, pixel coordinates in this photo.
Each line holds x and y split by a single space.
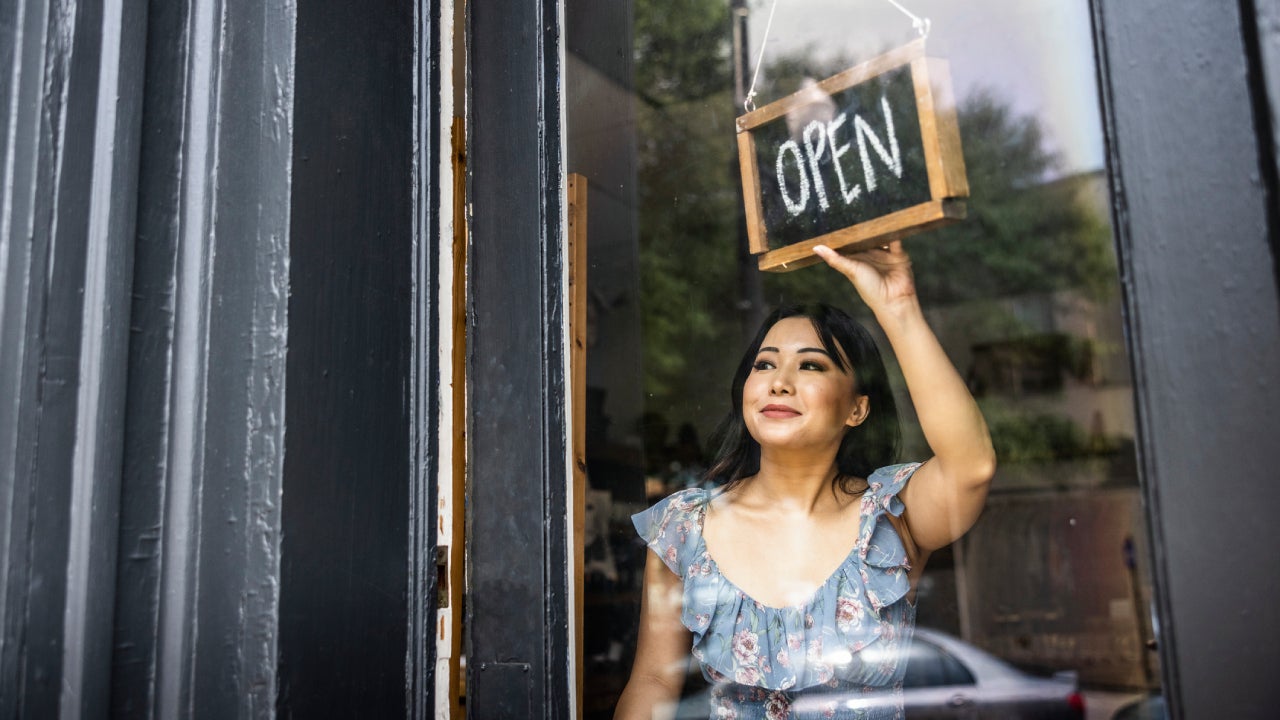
865 447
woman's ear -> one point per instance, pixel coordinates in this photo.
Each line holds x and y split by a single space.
861 408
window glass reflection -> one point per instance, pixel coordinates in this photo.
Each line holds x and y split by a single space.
1023 295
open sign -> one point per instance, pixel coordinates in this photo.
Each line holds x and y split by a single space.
864 157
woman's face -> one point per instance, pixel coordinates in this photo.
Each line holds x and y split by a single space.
796 397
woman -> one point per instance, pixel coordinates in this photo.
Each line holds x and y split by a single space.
794 583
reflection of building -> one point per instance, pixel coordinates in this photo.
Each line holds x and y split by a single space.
1041 579
1047 584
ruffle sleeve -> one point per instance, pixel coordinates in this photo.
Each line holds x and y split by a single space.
885 565
672 528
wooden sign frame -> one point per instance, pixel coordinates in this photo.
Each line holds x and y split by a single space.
944 161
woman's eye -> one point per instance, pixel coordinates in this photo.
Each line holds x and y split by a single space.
810 365
762 365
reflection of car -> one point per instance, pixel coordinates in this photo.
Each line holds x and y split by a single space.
949 678
1148 708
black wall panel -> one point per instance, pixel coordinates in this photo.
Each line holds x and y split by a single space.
1194 220
345 603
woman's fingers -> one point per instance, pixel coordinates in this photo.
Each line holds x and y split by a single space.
840 263
878 259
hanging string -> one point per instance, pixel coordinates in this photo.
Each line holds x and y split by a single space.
750 103
921 26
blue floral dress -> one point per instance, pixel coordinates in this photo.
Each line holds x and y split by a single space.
836 656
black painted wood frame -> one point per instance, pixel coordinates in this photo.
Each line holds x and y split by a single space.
517 640
70 109
1190 146
199 542
150 187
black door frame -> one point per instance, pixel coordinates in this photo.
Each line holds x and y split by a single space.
517 616
1190 146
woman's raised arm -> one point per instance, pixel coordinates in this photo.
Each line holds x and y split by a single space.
662 650
946 495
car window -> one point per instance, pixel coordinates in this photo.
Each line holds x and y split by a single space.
930 666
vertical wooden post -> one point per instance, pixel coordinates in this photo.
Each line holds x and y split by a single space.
577 212
457 549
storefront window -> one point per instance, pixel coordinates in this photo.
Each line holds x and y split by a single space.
1023 294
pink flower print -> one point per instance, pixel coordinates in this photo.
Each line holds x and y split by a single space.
829 710
824 672
702 620
682 531
848 613
670 554
783 658
746 647
815 650
794 642
724 712
875 599
808 621
746 675
777 707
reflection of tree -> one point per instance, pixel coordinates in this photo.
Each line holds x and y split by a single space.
1024 234
688 203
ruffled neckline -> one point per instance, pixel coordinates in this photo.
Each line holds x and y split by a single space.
828 637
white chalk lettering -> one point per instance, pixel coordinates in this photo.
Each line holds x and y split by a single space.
891 157
795 207
815 154
837 151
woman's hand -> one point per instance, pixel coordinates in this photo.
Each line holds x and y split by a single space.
881 275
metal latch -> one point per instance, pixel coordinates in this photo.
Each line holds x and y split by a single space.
442 576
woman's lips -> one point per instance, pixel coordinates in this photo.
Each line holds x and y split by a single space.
779 412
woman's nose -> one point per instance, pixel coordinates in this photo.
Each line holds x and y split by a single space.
781 385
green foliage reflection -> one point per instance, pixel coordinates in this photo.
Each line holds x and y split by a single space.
1030 229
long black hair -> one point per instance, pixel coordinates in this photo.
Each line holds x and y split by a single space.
869 445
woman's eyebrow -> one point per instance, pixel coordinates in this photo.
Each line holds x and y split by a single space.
820 351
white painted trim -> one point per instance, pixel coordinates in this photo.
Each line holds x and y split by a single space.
571 569
446 534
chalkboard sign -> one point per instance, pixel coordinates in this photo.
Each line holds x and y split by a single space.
864 157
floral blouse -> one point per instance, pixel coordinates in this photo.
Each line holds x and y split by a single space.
835 656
